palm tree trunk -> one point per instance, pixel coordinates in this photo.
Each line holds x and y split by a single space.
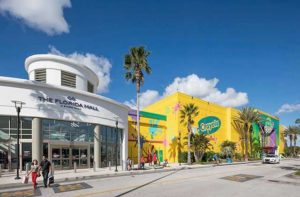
179 147
138 126
196 156
201 156
189 146
246 144
295 143
251 142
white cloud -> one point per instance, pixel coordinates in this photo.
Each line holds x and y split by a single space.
43 15
99 64
146 98
198 87
286 108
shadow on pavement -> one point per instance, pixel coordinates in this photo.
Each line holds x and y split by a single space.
122 194
288 168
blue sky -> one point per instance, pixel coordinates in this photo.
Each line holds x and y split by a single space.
251 47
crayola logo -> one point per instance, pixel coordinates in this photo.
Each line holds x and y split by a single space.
209 125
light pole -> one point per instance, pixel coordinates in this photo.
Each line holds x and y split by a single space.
18 106
116 170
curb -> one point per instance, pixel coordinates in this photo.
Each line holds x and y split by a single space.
122 173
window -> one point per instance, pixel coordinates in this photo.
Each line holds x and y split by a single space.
90 87
40 75
68 79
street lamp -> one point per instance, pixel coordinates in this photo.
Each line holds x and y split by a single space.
116 129
18 106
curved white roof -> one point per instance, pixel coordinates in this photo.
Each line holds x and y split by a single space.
56 58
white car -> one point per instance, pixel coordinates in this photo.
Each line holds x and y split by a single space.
271 158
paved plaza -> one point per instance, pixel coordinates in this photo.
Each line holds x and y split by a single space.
253 179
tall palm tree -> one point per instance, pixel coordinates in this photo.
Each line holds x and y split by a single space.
187 115
296 132
289 132
239 127
135 63
247 116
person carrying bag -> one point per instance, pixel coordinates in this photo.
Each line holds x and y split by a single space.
35 172
46 169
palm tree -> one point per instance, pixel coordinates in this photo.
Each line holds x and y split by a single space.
200 144
247 116
296 132
228 148
187 115
241 131
292 133
289 132
297 121
135 62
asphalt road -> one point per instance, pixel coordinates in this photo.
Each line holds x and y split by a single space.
254 179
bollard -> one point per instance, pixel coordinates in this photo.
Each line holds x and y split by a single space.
123 164
109 165
94 167
0 169
27 166
52 170
75 167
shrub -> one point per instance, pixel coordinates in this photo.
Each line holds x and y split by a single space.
238 156
208 156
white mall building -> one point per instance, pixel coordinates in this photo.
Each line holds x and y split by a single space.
62 117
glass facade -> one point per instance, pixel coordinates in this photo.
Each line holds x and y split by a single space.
108 145
8 140
8 128
63 152
67 131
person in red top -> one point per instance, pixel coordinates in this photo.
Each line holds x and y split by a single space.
154 159
35 171
149 159
142 162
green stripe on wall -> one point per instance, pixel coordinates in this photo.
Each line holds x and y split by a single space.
152 115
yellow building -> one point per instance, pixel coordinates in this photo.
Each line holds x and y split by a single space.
214 120
152 134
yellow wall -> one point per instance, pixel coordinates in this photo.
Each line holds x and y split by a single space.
170 107
153 135
282 140
172 132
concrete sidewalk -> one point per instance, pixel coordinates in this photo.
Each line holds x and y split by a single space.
7 180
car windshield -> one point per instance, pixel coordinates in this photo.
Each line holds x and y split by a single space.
271 156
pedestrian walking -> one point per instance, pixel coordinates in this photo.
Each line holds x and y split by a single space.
216 159
46 169
35 172
154 159
128 164
142 162
149 158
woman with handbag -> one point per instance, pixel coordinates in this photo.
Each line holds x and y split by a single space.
35 172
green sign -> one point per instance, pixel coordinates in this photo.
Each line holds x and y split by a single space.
209 125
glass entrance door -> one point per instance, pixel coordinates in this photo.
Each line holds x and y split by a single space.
65 157
56 157
75 157
83 162
80 156
65 160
